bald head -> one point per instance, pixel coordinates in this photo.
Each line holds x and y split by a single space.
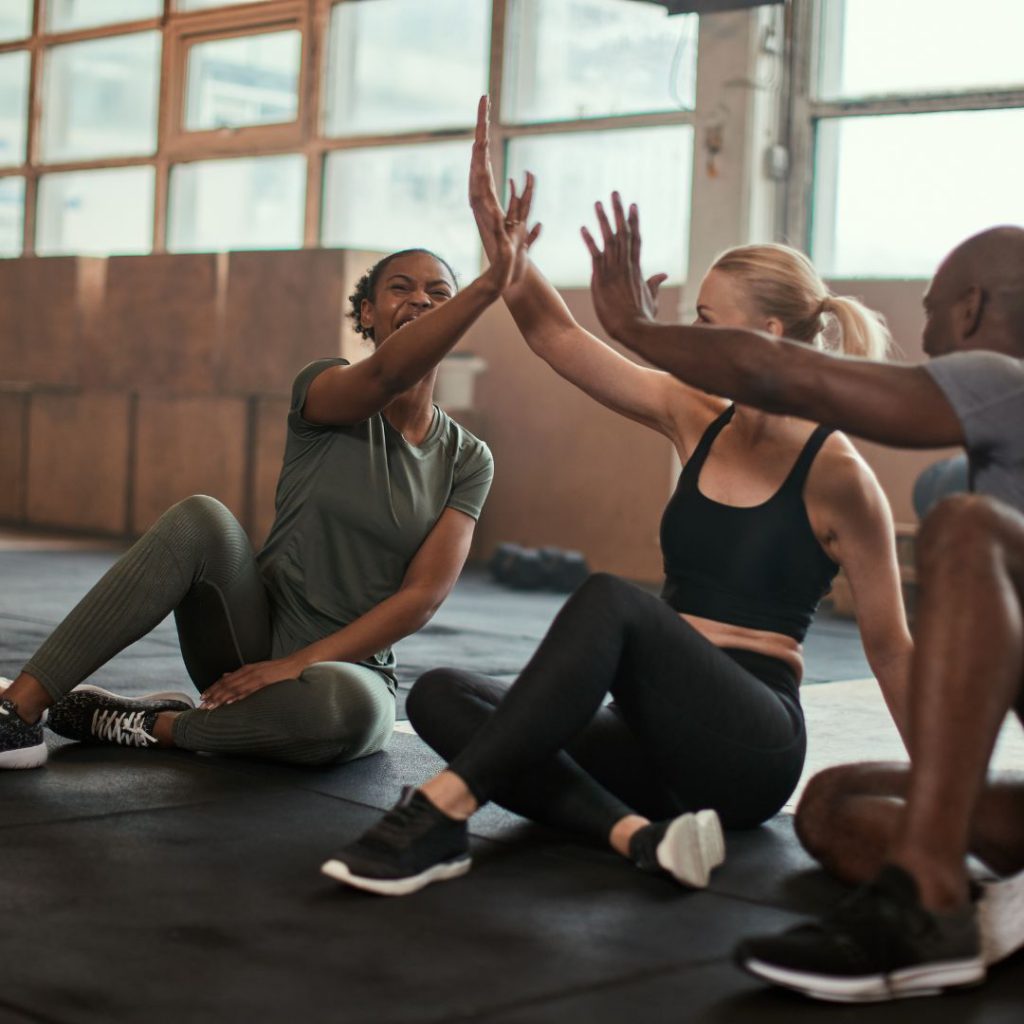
980 288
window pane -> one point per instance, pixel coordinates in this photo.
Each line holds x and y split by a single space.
649 166
400 197
592 58
15 20
12 215
893 196
256 203
875 47
244 81
64 15
401 65
202 5
100 98
95 212
13 106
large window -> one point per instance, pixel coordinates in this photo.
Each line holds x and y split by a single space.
916 118
205 125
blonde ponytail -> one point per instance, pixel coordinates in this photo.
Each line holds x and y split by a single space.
781 283
862 331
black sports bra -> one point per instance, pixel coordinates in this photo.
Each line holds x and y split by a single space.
760 567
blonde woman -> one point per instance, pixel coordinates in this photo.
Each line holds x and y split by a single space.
705 726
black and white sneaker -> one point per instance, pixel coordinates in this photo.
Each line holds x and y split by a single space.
688 848
21 744
91 714
413 845
878 944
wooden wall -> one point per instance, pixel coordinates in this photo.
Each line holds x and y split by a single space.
132 382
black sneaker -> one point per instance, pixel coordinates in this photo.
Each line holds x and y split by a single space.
91 714
878 944
688 847
413 845
21 744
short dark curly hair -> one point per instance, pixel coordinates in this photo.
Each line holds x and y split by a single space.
366 287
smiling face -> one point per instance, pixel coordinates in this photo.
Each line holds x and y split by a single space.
409 286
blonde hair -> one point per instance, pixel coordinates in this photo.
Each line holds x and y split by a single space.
782 283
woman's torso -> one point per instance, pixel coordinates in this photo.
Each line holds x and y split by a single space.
743 562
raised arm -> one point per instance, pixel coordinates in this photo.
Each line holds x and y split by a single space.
891 404
344 395
639 393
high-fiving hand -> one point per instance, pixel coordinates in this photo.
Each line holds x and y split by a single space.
622 296
506 234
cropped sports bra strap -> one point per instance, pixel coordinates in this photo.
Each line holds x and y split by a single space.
798 474
700 453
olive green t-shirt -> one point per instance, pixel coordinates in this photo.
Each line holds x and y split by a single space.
353 506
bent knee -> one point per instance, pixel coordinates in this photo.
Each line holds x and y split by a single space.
813 821
433 691
959 524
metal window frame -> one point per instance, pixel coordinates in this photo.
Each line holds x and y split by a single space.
182 29
807 111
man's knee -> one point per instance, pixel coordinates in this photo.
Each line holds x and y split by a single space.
957 528
814 820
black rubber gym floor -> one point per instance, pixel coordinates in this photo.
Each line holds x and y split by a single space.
151 886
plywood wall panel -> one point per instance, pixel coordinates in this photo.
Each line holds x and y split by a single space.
78 461
13 430
39 314
567 471
270 429
188 446
283 310
157 329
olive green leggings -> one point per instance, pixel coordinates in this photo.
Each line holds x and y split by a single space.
196 561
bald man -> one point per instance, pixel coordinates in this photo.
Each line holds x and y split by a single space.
904 830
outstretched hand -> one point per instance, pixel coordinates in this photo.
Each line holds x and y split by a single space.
506 234
622 297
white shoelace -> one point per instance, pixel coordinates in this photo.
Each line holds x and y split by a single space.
123 727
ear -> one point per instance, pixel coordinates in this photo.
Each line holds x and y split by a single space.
773 325
366 313
970 310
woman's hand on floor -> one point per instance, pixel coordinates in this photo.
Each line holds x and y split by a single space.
234 686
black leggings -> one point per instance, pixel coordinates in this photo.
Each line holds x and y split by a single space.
692 725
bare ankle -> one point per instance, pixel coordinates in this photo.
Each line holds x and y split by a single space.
163 728
29 698
623 831
941 887
450 795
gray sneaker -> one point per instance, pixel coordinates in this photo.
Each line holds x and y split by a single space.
21 744
91 714
878 944
687 848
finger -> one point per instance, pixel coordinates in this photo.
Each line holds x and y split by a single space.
588 241
634 234
606 228
526 200
655 282
620 217
483 111
533 235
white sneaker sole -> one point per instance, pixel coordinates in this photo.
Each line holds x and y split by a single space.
923 980
24 757
340 872
163 695
1001 918
692 847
